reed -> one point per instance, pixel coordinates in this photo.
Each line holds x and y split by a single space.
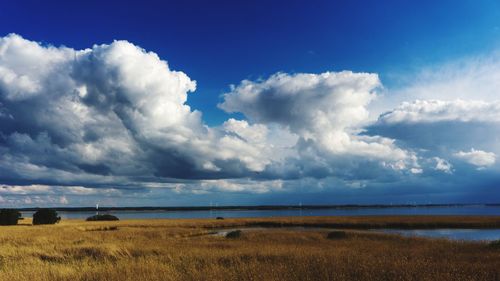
187 250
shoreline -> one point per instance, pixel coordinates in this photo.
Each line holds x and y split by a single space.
262 207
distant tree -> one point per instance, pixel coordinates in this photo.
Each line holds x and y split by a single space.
9 216
104 217
46 216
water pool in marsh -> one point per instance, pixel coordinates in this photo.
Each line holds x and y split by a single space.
452 234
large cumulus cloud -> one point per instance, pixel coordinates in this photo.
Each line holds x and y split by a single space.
326 112
116 117
112 114
105 115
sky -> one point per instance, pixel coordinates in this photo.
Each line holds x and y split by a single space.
188 103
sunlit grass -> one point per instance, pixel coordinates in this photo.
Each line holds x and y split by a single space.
185 250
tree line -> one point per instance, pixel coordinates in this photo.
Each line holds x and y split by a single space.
41 216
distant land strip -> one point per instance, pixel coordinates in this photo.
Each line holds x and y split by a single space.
258 207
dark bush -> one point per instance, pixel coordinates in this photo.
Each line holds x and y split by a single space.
233 234
219 218
495 244
105 217
9 216
337 234
46 216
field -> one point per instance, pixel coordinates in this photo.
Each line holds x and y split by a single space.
189 250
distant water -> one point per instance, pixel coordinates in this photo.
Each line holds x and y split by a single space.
453 234
447 210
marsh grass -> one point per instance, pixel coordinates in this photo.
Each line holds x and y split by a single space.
184 250
101 228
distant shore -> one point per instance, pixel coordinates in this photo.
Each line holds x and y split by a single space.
257 207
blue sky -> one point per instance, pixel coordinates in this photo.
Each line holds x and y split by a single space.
281 137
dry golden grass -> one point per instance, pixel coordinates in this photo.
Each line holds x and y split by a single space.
183 250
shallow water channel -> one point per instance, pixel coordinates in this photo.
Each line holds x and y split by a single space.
452 234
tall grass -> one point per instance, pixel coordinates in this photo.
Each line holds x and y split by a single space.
184 250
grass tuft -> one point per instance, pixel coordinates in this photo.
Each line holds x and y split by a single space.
233 234
337 234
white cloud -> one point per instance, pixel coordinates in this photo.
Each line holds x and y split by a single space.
63 200
115 116
445 108
306 103
109 113
16 189
469 78
416 170
252 133
326 111
242 186
442 165
25 67
477 157
429 111
228 185
9 190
